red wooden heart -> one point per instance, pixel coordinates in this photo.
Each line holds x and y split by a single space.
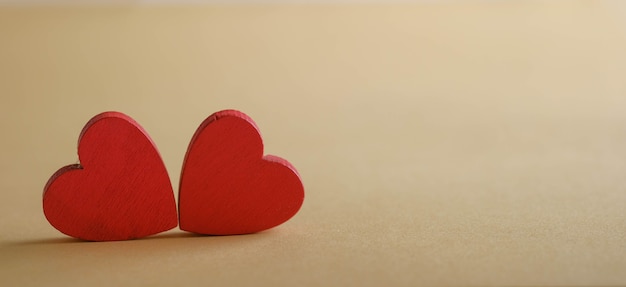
228 187
120 190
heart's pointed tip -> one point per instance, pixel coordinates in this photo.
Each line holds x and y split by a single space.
171 225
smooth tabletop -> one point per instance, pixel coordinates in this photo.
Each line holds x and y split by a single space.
445 143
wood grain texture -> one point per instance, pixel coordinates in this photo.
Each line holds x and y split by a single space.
228 187
119 191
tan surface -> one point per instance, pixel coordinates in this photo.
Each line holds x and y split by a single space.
439 144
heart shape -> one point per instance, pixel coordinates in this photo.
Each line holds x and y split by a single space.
228 187
119 191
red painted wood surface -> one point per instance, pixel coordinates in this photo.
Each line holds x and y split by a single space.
120 190
228 187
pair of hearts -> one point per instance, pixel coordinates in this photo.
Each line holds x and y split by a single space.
121 189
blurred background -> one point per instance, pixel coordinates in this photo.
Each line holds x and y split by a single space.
440 142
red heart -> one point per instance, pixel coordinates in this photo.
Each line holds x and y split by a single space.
228 187
120 190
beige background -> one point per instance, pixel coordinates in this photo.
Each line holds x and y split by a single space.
445 143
